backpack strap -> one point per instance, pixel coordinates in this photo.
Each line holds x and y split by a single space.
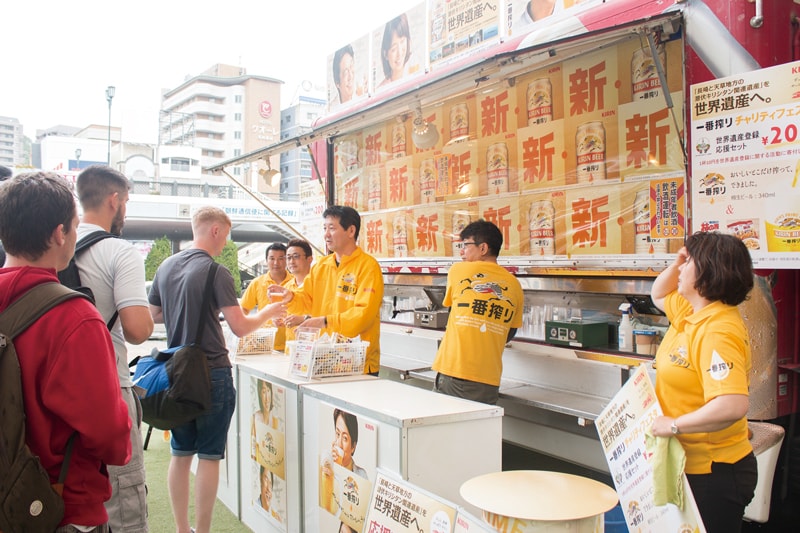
15 319
86 243
212 273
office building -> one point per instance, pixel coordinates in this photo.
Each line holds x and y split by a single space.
222 113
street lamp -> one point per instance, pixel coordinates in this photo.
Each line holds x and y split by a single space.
78 158
109 96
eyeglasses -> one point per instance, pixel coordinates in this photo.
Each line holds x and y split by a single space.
294 257
465 243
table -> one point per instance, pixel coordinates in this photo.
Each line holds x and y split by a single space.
535 499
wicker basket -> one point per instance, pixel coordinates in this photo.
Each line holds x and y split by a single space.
340 359
258 342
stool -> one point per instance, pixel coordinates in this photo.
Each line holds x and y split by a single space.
766 440
534 500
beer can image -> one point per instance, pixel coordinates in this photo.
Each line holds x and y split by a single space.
590 146
541 224
645 83
399 236
427 181
540 101
398 140
347 156
374 190
459 121
460 221
497 168
643 244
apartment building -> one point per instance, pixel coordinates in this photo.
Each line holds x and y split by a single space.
12 143
223 113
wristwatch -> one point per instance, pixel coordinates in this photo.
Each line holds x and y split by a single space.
306 317
674 426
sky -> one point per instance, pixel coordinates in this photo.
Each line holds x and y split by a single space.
57 58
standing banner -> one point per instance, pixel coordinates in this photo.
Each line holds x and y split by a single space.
622 426
401 507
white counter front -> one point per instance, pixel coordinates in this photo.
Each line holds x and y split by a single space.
279 435
434 441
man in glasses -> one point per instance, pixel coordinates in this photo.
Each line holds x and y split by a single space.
298 260
486 303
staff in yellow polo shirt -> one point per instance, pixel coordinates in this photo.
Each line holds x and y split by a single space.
703 374
256 294
344 290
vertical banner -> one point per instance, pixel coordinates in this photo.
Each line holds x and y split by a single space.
746 161
622 426
312 205
375 234
267 450
347 463
428 231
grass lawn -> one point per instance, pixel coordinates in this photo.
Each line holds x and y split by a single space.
156 460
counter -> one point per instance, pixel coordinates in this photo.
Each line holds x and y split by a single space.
551 394
434 441
281 437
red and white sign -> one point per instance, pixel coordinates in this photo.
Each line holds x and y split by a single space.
265 109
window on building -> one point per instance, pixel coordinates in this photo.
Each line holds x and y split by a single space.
311 116
237 134
237 152
237 99
237 171
237 117
179 164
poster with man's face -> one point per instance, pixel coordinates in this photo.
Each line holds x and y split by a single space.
347 469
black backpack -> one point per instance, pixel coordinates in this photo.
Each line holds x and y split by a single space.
28 501
71 277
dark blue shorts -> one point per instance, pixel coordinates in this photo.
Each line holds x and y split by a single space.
207 435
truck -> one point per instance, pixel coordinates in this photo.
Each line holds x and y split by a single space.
596 139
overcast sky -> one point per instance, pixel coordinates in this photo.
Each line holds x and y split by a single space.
57 57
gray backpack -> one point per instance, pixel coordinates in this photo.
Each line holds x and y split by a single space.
28 501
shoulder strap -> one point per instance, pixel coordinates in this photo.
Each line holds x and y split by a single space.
92 239
29 307
86 243
212 273
15 319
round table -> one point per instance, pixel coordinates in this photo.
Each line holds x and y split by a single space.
536 499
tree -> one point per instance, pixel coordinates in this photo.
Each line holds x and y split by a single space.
161 249
230 259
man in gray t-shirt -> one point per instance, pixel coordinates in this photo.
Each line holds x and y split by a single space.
176 299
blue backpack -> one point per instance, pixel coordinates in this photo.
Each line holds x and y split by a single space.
174 385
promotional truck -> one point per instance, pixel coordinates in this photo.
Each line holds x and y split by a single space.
597 136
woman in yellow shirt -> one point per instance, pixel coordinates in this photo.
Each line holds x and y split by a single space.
702 374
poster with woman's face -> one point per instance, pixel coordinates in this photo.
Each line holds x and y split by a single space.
398 48
267 450
347 463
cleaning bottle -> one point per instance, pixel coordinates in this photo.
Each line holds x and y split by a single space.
625 340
